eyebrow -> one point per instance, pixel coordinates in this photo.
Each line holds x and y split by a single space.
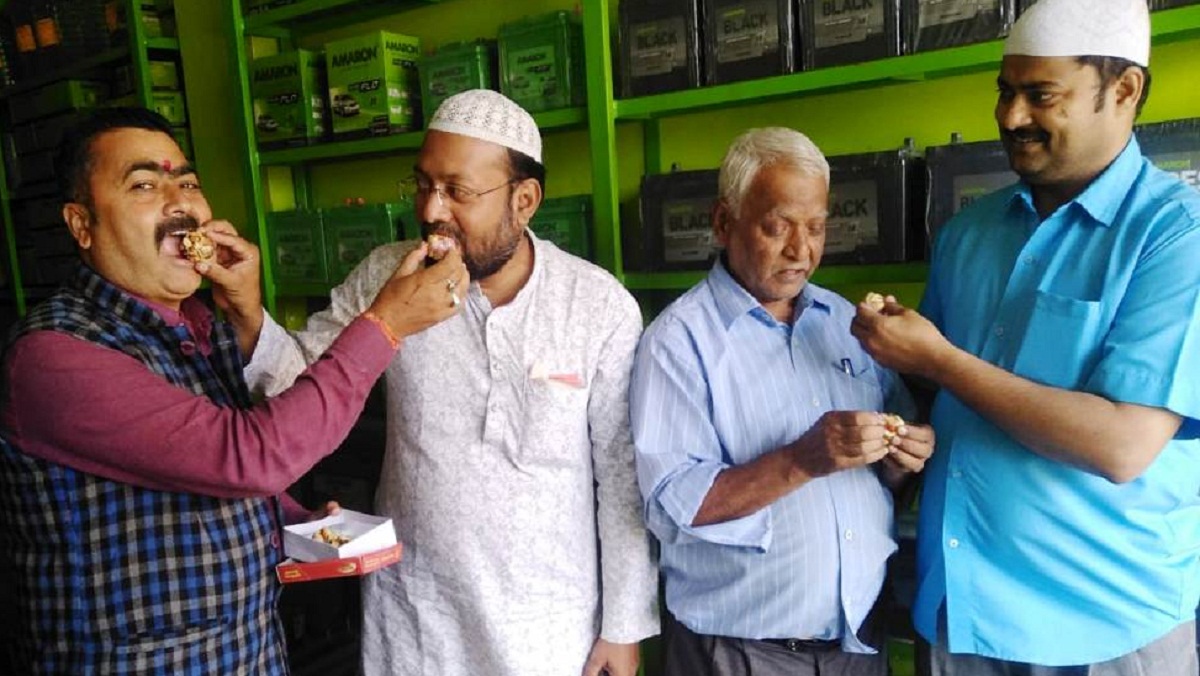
149 165
1040 84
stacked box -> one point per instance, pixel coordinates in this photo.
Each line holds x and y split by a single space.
57 97
170 105
935 24
287 92
660 46
164 75
374 89
352 232
748 39
835 32
455 68
675 230
1156 5
541 62
297 241
1175 147
566 221
876 205
960 173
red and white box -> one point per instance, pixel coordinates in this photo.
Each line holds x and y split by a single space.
372 546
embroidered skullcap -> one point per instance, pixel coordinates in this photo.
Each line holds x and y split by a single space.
1119 28
489 116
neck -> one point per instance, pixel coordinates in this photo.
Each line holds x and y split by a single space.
501 287
1048 198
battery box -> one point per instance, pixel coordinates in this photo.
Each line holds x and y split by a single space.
876 204
297 246
1173 146
541 62
660 46
374 89
674 229
351 232
836 32
748 39
566 221
288 92
936 24
960 173
457 67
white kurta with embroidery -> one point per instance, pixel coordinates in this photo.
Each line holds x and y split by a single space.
509 474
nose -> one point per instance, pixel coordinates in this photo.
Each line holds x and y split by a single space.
176 200
1012 113
797 242
431 207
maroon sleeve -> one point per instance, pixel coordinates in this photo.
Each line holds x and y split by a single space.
99 411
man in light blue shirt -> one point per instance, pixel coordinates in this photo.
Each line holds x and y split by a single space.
762 449
1060 519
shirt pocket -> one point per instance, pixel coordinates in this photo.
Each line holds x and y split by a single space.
1062 341
556 423
861 391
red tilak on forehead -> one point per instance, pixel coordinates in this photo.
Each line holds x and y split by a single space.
166 165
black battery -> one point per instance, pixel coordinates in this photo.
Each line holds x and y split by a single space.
1173 146
935 24
675 223
960 173
748 39
875 204
1023 5
835 32
660 46
1156 5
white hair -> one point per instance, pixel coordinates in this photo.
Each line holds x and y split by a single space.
757 149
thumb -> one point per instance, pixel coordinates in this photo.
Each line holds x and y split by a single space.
412 262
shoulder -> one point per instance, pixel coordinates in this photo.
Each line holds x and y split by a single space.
693 313
1166 194
584 282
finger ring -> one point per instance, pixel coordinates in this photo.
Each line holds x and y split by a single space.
451 284
454 300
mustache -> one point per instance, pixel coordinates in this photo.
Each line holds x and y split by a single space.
1025 134
174 224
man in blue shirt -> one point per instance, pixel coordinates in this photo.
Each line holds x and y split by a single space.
1060 518
763 454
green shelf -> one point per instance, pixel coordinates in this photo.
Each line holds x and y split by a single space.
76 70
1166 26
566 118
163 44
827 275
302 289
309 16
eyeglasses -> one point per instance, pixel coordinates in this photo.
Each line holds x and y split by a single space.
449 194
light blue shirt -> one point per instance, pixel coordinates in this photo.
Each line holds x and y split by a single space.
1038 561
717 382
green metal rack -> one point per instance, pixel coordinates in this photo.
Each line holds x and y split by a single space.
137 53
601 115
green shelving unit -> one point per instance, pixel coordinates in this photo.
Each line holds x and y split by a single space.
602 116
137 53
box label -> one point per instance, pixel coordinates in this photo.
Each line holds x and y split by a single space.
843 22
939 12
373 85
853 219
533 73
970 187
687 230
658 47
747 31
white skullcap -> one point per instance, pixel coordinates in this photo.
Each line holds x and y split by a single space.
489 116
1119 28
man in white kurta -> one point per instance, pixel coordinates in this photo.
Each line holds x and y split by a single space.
508 472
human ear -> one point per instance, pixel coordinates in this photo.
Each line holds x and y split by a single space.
79 222
525 200
1128 88
722 222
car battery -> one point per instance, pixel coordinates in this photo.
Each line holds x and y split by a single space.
352 232
288 95
748 39
297 246
675 217
1173 146
875 207
541 62
455 68
374 89
835 32
1156 5
960 173
55 98
660 46
935 24
1023 5
566 221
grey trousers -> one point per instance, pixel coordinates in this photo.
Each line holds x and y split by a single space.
1172 655
692 654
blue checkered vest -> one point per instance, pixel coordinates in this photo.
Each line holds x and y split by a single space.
115 579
